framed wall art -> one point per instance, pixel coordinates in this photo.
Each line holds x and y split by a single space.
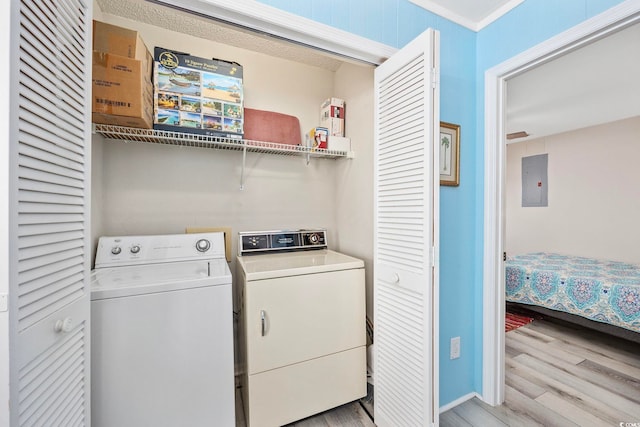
449 154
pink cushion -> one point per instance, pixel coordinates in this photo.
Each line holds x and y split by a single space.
269 126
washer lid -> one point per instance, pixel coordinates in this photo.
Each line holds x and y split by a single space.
268 266
146 279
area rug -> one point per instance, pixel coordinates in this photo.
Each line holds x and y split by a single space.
513 321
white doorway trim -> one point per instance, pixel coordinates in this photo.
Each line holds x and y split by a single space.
608 22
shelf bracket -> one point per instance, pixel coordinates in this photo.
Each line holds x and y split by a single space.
308 156
244 162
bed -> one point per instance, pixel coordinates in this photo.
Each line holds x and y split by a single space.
598 290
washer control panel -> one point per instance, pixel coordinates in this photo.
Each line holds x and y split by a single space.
282 240
135 250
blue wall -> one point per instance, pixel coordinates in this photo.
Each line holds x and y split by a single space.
464 57
395 23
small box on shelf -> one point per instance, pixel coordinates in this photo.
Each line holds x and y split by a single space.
316 138
332 116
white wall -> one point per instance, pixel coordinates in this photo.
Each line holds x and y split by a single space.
354 189
594 194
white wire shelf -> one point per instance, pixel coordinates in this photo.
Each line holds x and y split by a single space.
203 141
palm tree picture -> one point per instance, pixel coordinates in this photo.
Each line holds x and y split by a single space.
445 141
449 152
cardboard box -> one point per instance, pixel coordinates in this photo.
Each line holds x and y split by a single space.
197 95
317 138
332 116
118 41
338 143
132 122
122 93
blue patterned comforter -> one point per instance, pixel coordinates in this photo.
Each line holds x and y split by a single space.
605 291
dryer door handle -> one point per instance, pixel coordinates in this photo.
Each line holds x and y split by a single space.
263 322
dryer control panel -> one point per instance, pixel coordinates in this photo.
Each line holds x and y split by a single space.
282 240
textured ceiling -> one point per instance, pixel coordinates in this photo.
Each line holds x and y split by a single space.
202 27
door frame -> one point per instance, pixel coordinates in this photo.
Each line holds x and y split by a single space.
264 19
493 339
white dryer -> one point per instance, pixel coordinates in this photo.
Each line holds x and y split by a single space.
162 332
303 332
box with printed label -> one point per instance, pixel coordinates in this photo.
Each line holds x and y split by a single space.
122 93
332 116
197 95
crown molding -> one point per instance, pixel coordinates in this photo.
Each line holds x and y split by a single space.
438 9
496 14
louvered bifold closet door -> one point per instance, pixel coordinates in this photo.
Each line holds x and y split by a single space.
49 224
406 236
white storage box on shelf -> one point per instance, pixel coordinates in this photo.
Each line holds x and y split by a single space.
339 143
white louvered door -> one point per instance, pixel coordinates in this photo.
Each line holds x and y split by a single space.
49 150
406 236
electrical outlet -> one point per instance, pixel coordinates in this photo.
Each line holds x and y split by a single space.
454 351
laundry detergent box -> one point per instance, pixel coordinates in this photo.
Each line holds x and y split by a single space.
197 95
317 138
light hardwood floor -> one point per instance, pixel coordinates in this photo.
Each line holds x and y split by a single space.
561 375
556 375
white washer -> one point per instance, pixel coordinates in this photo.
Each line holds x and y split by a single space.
162 332
303 333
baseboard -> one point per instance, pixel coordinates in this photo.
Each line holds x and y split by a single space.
459 401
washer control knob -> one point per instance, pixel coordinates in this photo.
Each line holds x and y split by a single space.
203 245
135 249
116 250
314 238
